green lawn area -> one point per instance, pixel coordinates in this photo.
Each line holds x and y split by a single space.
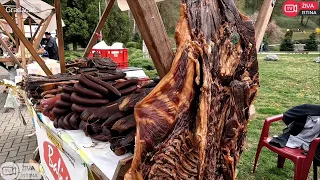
291 81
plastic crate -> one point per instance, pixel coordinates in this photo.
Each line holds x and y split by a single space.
119 56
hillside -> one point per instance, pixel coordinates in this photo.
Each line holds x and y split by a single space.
308 24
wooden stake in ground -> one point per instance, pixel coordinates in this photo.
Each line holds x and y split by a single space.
24 40
98 28
148 19
60 36
263 20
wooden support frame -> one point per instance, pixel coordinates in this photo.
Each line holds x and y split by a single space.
7 32
38 39
13 14
263 20
10 53
60 36
24 40
148 19
30 26
37 30
98 28
21 26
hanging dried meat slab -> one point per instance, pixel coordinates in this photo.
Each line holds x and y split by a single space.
193 125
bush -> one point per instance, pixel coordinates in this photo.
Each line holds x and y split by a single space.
273 32
311 44
289 34
266 44
151 73
72 55
131 45
135 53
286 45
142 63
136 38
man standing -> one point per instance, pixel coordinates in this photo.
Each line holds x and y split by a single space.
51 47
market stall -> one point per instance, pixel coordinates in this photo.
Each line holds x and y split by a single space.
37 12
98 132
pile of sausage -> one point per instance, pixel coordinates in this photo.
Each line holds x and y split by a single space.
101 107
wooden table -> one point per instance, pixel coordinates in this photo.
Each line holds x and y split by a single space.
8 59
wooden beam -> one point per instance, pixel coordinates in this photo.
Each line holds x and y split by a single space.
30 26
16 37
98 28
10 53
21 26
7 32
38 39
60 36
148 19
37 30
263 20
33 14
24 40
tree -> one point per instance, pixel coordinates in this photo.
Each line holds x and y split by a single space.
286 44
76 30
273 32
311 44
92 17
117 28
170 14
289 34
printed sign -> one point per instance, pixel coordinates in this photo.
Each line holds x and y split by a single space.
55 162
59 161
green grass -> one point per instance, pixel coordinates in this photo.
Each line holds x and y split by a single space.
291 81
294 23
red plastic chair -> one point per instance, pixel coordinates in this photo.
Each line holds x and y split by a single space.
302 162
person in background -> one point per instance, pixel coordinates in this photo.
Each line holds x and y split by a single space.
51 47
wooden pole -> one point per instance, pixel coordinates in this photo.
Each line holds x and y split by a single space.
149 22
21 36
37 30
263 20
98 28
16 37
21 26
7 32
38 39
30 26
10 53
60 36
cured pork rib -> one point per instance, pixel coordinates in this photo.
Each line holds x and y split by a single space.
193 125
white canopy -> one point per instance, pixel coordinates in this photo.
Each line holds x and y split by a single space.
34 28
37 7
123 5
